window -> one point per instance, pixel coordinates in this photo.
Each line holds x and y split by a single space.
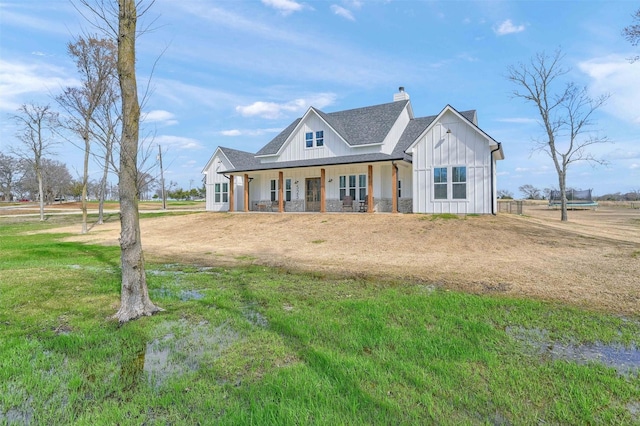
440 183
357 185
310 142
459 183
343 187
399 188
362 187
274 190
352 186
287 190
455 189
221 192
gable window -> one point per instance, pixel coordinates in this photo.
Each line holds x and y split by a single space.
274 189
287 190
310 141
459 183
440 183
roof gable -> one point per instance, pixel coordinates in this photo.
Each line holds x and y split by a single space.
357 127
238 159
467 116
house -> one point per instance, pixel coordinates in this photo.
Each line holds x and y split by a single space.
381 156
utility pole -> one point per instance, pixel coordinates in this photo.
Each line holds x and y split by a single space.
164 197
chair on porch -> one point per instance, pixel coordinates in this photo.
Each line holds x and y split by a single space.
276 207
364 204
347 203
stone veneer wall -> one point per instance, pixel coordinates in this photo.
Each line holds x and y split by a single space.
405 205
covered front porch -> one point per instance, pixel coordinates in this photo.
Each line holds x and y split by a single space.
377 187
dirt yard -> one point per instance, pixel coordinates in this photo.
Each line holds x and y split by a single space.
592 261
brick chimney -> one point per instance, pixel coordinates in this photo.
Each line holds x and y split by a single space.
401 95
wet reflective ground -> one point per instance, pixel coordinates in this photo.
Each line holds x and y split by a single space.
625 360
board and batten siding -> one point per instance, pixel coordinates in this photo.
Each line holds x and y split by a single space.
464 146
334 145
218 164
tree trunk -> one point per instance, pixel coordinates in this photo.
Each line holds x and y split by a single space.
563 195
134 299
40 191
85 184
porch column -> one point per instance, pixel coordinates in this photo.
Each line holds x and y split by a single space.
394 190
370 190
246 192
322 192
232 194
280 192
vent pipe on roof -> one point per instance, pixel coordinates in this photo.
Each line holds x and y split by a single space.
401 95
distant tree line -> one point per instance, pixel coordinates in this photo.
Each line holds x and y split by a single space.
530 192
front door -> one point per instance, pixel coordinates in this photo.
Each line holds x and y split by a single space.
312 197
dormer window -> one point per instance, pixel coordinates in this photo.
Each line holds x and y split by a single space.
310 141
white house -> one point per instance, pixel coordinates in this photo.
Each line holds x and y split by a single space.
381 157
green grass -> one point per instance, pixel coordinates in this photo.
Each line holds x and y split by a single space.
255 345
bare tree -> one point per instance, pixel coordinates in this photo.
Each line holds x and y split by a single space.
95 61
35 132
566 115
134 297
530 192
56 180
107 122
135 300
9 175
632 33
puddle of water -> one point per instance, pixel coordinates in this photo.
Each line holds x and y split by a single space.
18 416
183 295
255 317
626 360
184 349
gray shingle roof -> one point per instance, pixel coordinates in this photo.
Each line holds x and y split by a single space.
360 126
240 159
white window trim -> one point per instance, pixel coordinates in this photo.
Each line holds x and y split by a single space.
314 140
450 183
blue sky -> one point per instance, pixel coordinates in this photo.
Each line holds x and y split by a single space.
234 73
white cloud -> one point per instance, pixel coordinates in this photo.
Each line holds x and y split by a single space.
273 110
634 166
248 132
160 116
507 27
341 11
284 6
20 81
177 142
613 74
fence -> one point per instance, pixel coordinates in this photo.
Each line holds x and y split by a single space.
510 206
